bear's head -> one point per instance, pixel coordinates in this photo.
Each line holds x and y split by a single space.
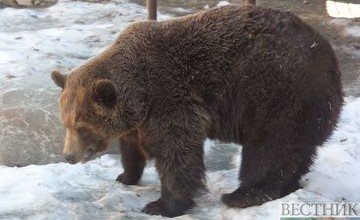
89 112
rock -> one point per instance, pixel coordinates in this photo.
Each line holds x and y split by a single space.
31 132
28 3
11 3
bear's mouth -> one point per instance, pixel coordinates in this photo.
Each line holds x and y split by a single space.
88 155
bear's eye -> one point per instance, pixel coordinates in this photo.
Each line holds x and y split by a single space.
82 131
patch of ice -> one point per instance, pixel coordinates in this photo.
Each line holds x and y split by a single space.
181 10
223 3
353 31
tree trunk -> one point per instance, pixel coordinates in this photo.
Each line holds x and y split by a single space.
151 6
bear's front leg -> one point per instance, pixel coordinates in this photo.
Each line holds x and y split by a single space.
181 173
132 158
178 156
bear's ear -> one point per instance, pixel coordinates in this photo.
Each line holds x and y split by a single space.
105 93
58 78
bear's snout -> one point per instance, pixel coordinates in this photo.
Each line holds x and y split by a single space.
70 158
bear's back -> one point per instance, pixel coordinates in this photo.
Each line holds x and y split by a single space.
244 46
253 56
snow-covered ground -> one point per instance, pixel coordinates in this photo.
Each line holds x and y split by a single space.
59 36
88 191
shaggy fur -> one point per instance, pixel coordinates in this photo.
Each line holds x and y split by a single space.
258 77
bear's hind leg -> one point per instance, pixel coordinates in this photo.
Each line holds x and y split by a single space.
132 158
269 173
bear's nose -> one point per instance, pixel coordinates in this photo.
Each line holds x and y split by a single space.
70 158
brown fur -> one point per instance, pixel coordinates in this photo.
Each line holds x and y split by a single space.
250 75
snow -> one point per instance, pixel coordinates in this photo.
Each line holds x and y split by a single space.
83 191
338 9
223 3
354 31
62 35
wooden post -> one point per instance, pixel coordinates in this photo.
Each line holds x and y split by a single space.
151 6
250 2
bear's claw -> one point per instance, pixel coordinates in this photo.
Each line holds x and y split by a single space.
170 208
154 208
245 197
124 179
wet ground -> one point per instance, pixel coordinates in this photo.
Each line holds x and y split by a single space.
35 41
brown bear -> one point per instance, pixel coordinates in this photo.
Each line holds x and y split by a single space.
258 77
